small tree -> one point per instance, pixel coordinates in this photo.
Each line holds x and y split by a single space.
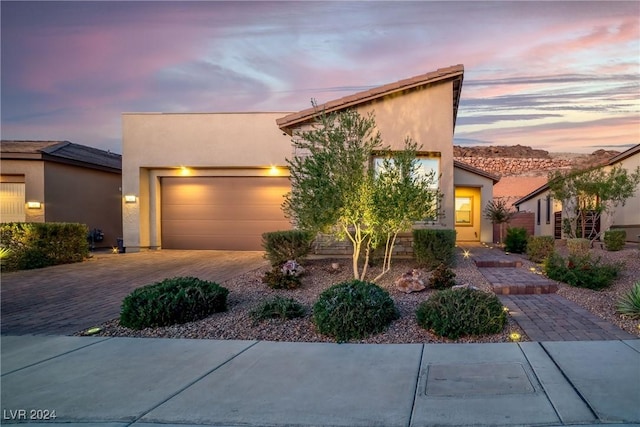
498 213
335 188
401 197
592 192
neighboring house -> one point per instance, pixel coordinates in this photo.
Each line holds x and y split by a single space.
548 212
216 181
59 181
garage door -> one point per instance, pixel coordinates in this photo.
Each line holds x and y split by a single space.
221 212
12 202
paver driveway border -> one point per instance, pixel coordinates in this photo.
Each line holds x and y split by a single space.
64 299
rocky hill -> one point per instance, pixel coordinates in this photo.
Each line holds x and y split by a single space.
523 169
522 160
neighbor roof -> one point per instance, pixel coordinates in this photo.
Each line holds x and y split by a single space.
615 159
454 73
628 153
61 151
476 171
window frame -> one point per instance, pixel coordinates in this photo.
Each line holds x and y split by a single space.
455 210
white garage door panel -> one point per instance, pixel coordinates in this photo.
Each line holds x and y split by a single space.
12 202
221 212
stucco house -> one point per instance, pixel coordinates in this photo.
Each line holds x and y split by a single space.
217 181
548 212
59 181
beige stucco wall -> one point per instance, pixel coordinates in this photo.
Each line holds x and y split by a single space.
426 116
87 196
484 186
207 144
33 171
531 205
627 217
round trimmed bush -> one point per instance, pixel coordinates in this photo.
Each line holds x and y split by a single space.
172 301
453 313
353 310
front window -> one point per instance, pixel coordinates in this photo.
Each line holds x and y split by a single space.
427 166
464 207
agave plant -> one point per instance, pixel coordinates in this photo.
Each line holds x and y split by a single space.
4 252
629 304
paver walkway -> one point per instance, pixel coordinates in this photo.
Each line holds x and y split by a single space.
65 299
554 318
532 302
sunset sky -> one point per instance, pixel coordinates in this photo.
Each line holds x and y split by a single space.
561 76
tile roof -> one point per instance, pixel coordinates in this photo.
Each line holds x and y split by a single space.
455 73
628 153
63 151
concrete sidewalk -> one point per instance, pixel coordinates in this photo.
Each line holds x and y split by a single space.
143 382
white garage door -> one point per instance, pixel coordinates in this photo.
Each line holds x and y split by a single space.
228 213
12 202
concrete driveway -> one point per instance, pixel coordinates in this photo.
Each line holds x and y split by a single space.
64 299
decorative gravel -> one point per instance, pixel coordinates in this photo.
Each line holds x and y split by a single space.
247 291
603 303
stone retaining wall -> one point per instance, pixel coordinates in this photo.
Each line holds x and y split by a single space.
514 166
326 245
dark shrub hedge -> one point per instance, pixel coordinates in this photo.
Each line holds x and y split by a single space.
540 247
434 247
516 240
442 278
277 279
581 271
282 246
37 245
614 239
453 313
172 301
353 310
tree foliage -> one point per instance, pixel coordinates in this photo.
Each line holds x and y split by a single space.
498 212
592 192
336 189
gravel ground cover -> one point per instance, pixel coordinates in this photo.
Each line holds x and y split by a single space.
247 291
603 303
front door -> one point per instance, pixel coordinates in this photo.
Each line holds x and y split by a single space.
467 214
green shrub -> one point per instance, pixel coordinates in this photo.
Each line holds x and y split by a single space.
516 240
282 246
277 279
614 239
629 304
37 245
434 247
454 313
277 308
172 301
353 310
442 278
578 246
581 271
540 247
